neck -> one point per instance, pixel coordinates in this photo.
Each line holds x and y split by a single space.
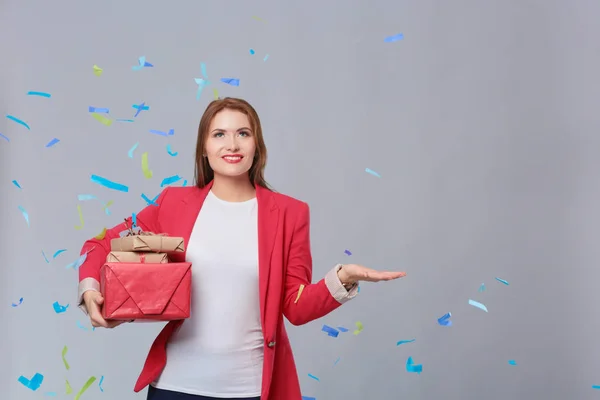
234 189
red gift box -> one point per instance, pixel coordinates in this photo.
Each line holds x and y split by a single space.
139 291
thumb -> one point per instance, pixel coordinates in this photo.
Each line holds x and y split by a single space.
99 299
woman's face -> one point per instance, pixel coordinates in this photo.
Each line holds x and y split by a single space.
230 146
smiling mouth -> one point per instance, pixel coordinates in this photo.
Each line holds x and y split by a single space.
233 158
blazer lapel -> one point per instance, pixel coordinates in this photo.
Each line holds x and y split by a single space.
268 218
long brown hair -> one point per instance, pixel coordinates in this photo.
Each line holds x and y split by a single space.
203 173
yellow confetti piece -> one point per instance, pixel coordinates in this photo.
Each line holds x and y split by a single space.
299 293
145 168
97 70
64 353
85 387
68 389
80 219
216 93
258 18
102 119
360 327
101 235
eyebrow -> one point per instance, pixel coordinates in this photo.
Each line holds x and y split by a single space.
224 130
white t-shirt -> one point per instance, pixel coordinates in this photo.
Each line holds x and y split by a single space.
218 351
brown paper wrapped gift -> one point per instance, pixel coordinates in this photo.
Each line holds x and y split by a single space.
136 257
148 242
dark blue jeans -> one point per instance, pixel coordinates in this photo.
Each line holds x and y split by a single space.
161 394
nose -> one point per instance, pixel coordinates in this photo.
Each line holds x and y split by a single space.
232 143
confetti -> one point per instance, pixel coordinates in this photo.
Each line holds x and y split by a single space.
17 184
34 383
18 304
140 108
108 204
404 342
142 63
4 137
215 94
170 180
148 201
266 58
170 152
18 121
412 367
58 252
97 70
101 235
77 263
512 362
482 287
231 81
98 110
58 308
78 227
444 320
145 168
123 120
336 361
347 252
102 119
132 149
595 386
359 327
299 293
314 377
52 142
478 305
201 82
342 329
370 171
161 133
330 331
100 383
394 38
85 387
133 220
252 52
41 94
109 184
25 214
64 353
502 281
68 388
45 258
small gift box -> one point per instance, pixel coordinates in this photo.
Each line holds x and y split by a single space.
147 242
137 257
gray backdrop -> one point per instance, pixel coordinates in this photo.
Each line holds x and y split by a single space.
482 122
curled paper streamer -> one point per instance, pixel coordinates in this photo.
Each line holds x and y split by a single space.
359 327
478 305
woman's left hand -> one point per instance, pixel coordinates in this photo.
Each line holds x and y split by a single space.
352 273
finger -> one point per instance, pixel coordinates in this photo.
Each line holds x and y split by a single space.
113 324
99 300
96 317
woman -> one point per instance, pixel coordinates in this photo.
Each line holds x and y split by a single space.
251 260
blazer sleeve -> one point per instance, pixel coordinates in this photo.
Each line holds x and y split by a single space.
98 249
304 301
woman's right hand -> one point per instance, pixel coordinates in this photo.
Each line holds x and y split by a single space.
93 302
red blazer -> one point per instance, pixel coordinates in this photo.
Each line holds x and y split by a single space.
285 264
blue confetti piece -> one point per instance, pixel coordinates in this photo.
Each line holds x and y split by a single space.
52 142
45 258
478 305
86 197
370 171
98 110
394 38
79 262
132 149
404 342
123 120
336 361
34 383
161 133
5 138
347 252
148 201
170 152
412 367
140 108
25 214
314 377
231 81
512 362
109 184
18 121
58 308
266 58
444 320
147 64
308 398
100 383
203 70
252 51
184 182
58 252
50 394
83 327
17 184
330 331
18 304
170 180
482 287
502 281
342 329
133 220
41 94
595 386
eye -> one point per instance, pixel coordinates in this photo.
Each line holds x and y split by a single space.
244 134
218 134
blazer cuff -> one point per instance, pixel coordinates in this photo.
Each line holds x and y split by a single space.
85 285
337 290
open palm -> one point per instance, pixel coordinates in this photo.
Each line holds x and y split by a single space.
354 273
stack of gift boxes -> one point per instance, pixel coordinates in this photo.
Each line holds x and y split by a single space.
139 283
